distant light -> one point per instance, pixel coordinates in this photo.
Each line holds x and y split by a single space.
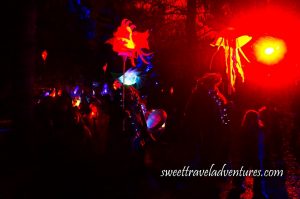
76 90
59 92
44 55
105 89
94 111
171 90
76 101
46 94
53 93
269 50
96 84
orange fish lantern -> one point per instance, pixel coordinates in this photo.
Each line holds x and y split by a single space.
129 43
232 45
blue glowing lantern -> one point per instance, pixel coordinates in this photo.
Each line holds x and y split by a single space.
131 77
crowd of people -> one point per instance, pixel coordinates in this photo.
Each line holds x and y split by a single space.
91 145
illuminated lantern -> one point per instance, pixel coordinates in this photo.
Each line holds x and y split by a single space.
129 43
156 123
59 92
131 77
104 67
269 50
76 101
44 55
232 45
53 93
117 84
105 89
94 111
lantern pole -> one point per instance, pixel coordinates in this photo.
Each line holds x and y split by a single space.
123 91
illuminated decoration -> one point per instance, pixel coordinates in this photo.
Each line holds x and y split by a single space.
94 111
59 92
104 67
220 102
53 93
156 118
156 123
131 77
46 94
129 43
44 55
269 50
105 89
232 45
76 91
76 101
117 84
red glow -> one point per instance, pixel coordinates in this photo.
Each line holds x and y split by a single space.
274 61
279 76
59 92
53 93
172 90
44 55
94 111
271 20
274 21
117 84
104 67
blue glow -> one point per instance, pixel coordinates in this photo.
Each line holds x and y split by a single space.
75 92
85 13
152 120
131 77
71 5
91 35
96 84
46 94
105 89
148 68
156 118
87 99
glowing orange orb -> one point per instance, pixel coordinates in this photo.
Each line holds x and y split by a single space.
269 50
